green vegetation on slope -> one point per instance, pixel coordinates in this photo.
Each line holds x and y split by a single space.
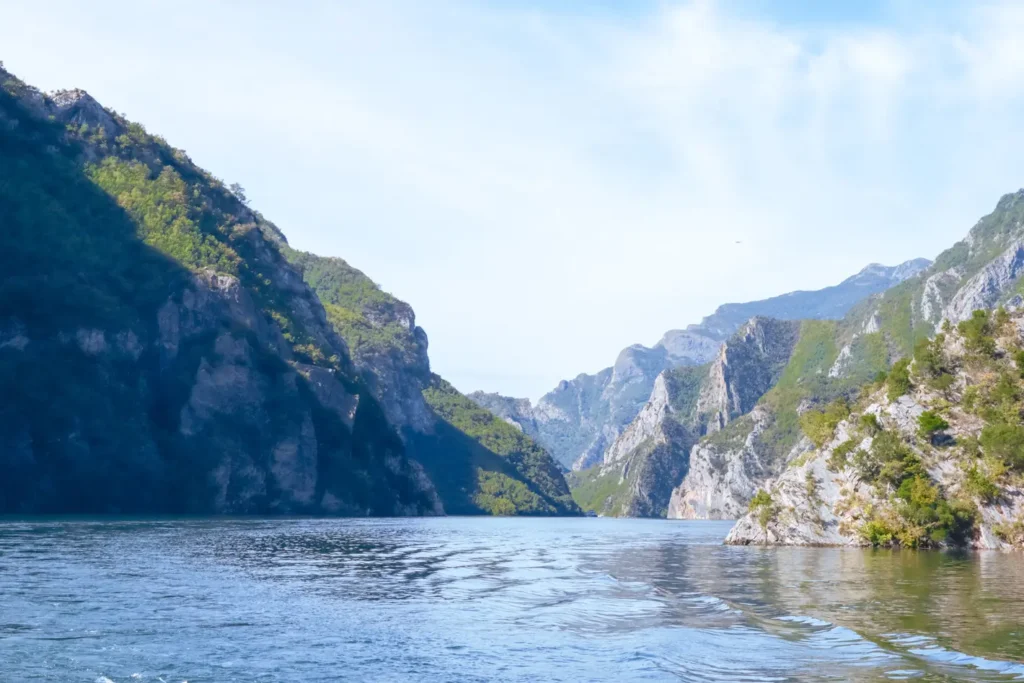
596 492
981 390
99 233
900 317
502 471
805 378
360 311
478 462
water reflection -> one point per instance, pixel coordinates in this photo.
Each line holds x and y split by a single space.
490 599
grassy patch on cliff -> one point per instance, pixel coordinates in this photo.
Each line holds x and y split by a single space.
805 377
596 492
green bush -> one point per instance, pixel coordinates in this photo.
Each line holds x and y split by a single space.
761 505
977 333
1005 442
877 533
890 449
1018 358
929 359
942 382
1000 319
820 425
841 454
929 517
899 379
980 485
929 423
866 465
870 424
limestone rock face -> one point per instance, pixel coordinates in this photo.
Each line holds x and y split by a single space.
518 412
581 418
829 495
723 477
985 289
747 366
653 454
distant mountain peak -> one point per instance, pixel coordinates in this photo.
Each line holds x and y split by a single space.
874 272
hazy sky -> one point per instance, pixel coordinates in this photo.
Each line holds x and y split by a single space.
548 182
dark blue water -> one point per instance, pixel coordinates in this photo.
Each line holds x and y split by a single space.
462 599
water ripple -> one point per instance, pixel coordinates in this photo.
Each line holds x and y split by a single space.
488 600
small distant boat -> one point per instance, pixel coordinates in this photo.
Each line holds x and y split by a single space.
590 513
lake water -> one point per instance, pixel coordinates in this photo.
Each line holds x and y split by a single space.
483 599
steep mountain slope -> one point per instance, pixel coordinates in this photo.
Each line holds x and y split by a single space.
478 463
581 418
651 455
932 456
979 272
982 269
163 349
157 352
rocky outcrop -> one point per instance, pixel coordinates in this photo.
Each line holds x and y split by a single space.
458 445
651 456
980 271
517 412
387 347
724 474
989 286
747 366
932 467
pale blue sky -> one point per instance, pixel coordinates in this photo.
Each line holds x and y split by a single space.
548 182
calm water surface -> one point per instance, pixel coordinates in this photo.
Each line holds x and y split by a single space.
461 599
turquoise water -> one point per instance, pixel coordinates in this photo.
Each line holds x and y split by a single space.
471 599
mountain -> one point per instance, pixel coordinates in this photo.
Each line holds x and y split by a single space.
163 349
845 356
640 469
478 463
580 419
830 303
157 352
931 456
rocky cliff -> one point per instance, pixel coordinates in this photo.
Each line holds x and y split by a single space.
979 272
582 417
159 353
650 457
934 455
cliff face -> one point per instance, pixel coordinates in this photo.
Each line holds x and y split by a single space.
934 456
581 418
386 345
650 457
517 412
981 271
160 354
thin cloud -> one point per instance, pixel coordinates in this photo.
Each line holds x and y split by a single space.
548 187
